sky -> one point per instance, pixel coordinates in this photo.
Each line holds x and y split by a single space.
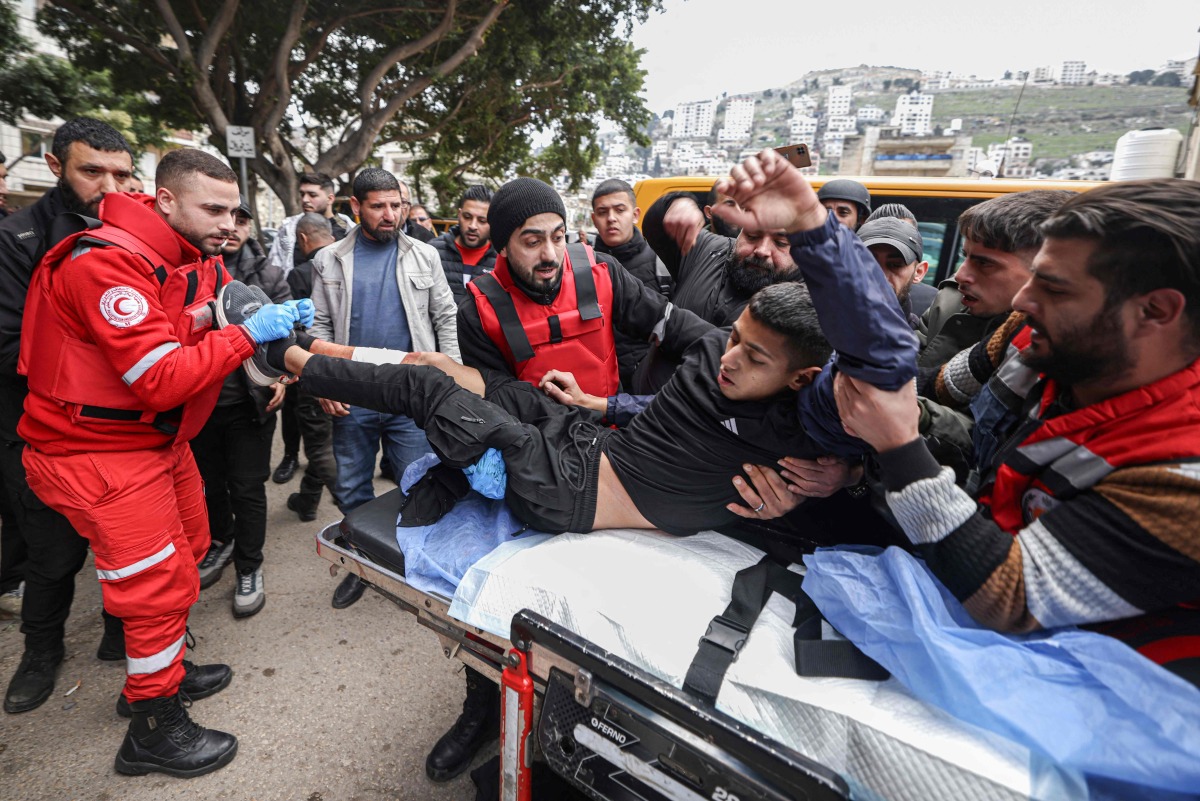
696 49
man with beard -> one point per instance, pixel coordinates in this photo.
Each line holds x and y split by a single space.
316 197
615 215
378 288
1084 515
546 305
714 275
124 366
899 250
466 249
90 159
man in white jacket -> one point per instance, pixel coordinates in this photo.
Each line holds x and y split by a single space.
316 195
378 288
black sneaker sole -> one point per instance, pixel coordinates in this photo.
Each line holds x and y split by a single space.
142 768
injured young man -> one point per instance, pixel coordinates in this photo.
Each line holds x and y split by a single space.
750 395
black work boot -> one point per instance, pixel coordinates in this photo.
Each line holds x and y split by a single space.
199 681
33 682
163 738
478 725
304 505
112 644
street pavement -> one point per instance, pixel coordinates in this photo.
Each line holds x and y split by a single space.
327 705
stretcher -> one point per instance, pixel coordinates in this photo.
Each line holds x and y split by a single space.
609 716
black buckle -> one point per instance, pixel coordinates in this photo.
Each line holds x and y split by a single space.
726 634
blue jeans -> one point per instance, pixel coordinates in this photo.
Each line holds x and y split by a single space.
356 439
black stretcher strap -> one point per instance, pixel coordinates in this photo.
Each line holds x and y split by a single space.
506 313
727 634
193 284
585 284
105 413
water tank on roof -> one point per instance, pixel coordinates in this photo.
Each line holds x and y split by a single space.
1149 153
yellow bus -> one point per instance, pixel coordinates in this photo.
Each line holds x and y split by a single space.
936 203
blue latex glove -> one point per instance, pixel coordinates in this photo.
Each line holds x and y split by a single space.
305 307
271 322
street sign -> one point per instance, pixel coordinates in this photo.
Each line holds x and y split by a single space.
239 142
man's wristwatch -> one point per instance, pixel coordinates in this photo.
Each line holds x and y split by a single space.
861 488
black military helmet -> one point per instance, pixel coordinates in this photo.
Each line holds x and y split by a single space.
845 189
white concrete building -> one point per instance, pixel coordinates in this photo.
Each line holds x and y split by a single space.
914 114
870 114
694 119
804 104
831 144
1042 75
1074 73
739 119
838 104
1012 158
802 128
842 124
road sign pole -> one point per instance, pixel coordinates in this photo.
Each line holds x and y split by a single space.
245 183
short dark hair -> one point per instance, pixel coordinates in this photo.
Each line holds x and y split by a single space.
1012 222
179 165
479 193
1147 235
788 309
373 179
318 179
897 210
612 186
311 224
93 133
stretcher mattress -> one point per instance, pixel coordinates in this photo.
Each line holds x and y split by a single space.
648 597
371 529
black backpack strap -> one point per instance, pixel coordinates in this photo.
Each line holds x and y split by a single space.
506 313
727 634
585 285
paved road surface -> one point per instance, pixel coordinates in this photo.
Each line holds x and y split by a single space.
328 705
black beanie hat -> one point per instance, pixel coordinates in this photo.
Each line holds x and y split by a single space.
516 202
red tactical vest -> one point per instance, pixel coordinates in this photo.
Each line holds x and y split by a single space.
74 374
1073 452
571 333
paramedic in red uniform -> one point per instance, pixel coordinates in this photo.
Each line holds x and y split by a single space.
124 367
546 305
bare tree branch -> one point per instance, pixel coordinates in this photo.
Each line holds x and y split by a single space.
215 34
366 92
177 33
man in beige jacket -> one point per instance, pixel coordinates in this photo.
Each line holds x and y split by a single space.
378 288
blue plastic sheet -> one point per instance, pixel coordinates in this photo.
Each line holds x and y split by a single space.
1085 700
437 556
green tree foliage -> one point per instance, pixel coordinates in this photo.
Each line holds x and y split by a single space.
465 83
1141 77
1166 79
46 86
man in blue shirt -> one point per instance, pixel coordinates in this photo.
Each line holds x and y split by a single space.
378 288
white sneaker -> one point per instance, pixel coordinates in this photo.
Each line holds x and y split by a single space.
12 601
250 594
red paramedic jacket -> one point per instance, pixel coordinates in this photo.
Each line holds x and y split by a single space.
572 332
117 338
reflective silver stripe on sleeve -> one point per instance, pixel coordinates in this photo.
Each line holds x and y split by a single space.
660 328
136 567
135 665
148 361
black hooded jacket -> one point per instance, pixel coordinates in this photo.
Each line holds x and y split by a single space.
640 261
452 263
23 242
